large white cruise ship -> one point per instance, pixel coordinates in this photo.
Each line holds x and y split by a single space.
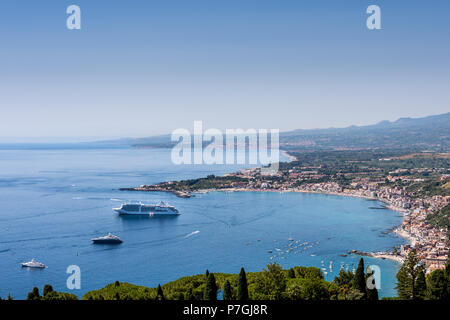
160 209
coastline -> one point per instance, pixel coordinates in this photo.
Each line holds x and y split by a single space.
414 232
287 155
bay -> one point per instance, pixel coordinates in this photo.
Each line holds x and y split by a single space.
54 199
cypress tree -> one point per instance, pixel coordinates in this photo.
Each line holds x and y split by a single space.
242 290
9 297
227 291
372 293
207 273
210 288
159 293
34 294
359 281
47 289
411 278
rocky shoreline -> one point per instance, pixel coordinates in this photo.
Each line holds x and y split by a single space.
180 194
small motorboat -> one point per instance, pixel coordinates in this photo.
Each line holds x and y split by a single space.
33 264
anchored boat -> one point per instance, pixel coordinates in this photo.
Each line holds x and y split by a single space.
33 264
160 209
108 239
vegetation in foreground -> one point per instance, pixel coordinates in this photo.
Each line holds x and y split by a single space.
275 283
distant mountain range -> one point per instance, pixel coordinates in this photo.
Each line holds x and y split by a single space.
432 132
428 133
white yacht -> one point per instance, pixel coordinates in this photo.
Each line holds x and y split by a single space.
108 239
160 209
34 264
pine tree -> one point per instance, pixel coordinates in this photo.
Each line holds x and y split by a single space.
210 288
242 290
421 284
227 291
411 278
345 278
359 281
160 293
9 297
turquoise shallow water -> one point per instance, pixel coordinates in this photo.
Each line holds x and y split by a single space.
54 200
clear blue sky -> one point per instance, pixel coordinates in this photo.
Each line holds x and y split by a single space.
139 68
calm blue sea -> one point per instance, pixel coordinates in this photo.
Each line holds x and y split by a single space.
54 199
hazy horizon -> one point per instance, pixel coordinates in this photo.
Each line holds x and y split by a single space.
81 139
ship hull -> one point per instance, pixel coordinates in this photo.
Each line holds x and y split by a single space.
148 214
104 241
32 266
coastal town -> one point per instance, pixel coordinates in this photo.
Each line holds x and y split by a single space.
394 190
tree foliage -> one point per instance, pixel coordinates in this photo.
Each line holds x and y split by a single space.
437 285
271 283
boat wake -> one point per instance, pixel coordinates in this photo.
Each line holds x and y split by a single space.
192 233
